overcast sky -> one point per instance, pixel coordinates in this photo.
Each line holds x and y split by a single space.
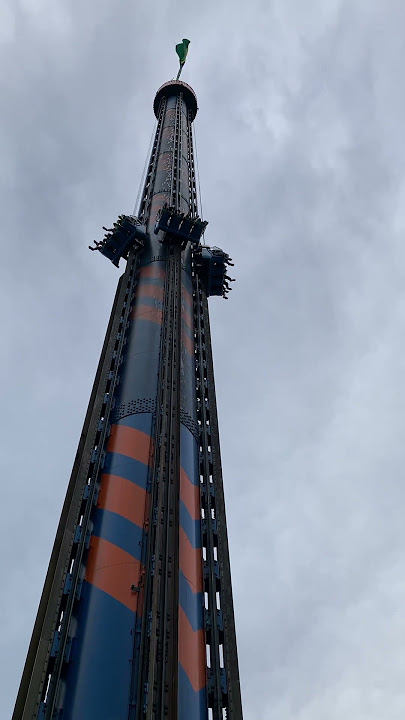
301 150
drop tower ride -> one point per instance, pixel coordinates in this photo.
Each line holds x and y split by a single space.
136 617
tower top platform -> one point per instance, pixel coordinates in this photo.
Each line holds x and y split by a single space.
175 87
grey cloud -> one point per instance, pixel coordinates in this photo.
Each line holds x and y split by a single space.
301 156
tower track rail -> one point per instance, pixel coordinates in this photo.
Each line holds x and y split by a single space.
223 673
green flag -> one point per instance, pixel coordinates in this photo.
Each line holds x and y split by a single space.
182 50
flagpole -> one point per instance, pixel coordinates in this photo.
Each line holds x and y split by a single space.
182 50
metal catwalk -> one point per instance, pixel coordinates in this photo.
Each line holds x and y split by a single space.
136 616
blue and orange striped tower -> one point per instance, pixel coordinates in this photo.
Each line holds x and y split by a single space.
136 617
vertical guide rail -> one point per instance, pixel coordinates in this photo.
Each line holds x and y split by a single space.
148 188
160 654
89 498
171 598
157 678
230 653
175 186
212 583
223 672
191 168
49 647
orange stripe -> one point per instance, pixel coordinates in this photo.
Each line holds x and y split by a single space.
152 271
114 571
192 652
153 291
187 296
146 312
188 343
190 494
167 132
187 317
123 497
133 443
190 561
165 159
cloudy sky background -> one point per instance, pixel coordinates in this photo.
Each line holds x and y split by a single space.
301 150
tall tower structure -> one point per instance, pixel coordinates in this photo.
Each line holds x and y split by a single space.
136 617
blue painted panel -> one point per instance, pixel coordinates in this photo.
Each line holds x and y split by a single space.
154 250
139 421
166 143
126 467
192 705
98 677
144 337
186 273
187 385
189 455
119 531
187 330
159 282
163 177
191 527
171 102
192 603
140 377
144 300
159 198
